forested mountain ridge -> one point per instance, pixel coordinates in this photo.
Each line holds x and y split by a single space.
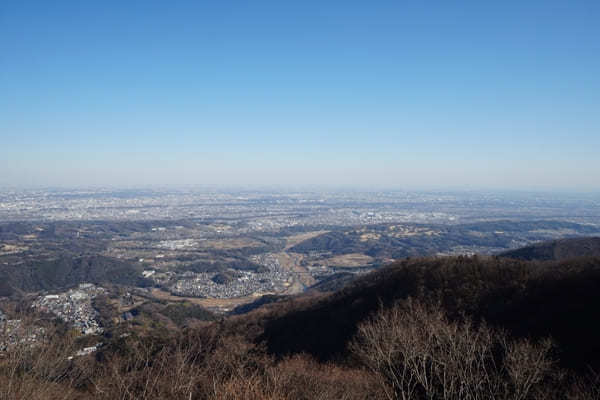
68 271
528 298
558 249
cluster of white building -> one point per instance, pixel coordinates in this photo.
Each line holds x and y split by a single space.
74 307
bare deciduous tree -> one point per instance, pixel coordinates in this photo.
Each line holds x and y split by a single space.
418 353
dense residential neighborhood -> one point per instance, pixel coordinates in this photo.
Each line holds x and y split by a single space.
73 306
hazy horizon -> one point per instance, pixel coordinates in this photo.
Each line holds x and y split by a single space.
304 189
497 96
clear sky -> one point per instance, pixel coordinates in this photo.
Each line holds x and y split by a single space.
476 94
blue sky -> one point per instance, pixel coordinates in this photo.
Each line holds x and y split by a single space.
471 94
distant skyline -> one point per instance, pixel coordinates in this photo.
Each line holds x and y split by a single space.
399 94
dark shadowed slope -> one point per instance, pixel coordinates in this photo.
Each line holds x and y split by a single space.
560 299
558 249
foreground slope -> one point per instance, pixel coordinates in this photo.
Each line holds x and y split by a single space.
560 299
276 351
